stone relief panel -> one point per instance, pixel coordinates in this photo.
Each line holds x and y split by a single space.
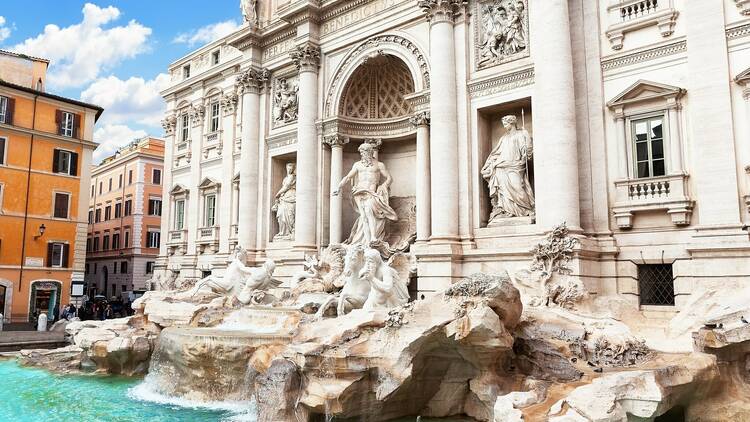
502 32
285 103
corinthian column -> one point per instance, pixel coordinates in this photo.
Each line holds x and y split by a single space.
422 122
197 114
307 60
555 149
336 143
251 83
444 130
169 123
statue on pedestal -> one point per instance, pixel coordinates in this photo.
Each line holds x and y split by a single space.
506 172
249 10
370 184
286 200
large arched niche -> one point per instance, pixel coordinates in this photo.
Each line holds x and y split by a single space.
377 90
394 46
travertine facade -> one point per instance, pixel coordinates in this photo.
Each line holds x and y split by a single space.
639 113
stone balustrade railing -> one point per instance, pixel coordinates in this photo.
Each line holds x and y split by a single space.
667 193
636 9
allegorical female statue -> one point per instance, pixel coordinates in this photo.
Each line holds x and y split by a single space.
506 172
286 200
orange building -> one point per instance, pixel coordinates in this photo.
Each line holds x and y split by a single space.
46 145
124 218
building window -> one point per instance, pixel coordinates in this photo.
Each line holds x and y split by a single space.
3 151
179 214
67 123
150 267
105 243
648 138
128 207
88 245
96 245
186 71
92 191
215 56
130 177
214 126
100 187
184 128
124 267
210 210
107 213
118 210
154 207
153 239
156 177
6 110
205 273
656 284
65 162
116 241
96 266
62 201
86 271
91 216
114 271
110 184
57 255
98 215
119 181
127 239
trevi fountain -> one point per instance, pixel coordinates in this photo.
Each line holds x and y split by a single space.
392 245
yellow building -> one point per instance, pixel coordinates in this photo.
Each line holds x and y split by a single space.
46 145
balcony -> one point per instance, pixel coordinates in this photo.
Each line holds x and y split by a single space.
667 193
208 237
177 241
212 137
631 15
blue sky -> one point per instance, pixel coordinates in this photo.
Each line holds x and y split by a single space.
114 53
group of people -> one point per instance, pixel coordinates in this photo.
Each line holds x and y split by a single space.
101 310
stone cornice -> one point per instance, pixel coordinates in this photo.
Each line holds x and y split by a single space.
646 55
738 31
438 11
306 58
253 80
299 11
501 83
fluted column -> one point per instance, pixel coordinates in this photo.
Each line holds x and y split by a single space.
197 114
307 60
251 82
422 122
169 123
555 149
229 108
336 142
443 108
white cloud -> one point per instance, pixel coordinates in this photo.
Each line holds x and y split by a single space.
128 101
80 52
207 33
112 137
4 30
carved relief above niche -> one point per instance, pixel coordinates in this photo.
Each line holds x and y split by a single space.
285 102
502 32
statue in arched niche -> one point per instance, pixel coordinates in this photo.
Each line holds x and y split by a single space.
286 201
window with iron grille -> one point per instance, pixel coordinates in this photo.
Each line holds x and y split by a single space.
656 284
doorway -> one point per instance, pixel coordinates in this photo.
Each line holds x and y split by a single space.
44 298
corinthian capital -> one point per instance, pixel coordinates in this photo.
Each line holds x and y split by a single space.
253 80
196 112
335 140
441 10
420 119
306 58
229 103
169 123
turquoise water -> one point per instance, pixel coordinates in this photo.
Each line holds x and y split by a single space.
32 395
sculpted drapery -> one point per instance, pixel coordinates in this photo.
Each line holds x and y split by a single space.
286 200
506 172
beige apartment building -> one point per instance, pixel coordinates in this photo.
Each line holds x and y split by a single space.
124 219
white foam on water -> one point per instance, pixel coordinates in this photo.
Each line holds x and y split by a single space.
241 411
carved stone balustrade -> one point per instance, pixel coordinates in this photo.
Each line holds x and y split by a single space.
631 15
657 193
208 237
177 241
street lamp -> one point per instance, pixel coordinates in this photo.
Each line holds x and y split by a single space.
42 228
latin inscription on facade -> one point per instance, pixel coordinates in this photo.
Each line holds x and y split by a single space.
358 14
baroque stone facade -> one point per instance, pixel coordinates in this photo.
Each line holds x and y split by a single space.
640 139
